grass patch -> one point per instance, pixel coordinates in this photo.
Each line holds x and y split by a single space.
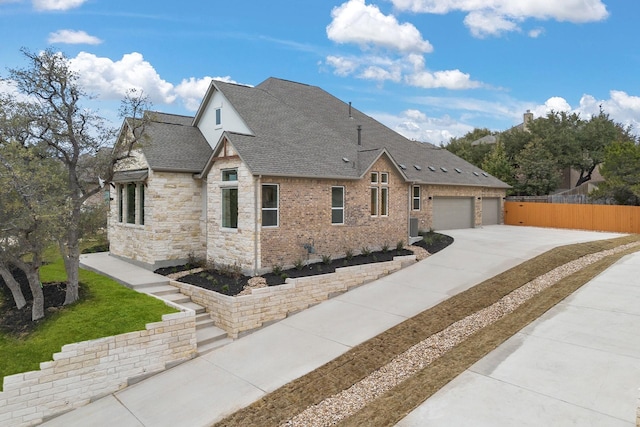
108 309
351 367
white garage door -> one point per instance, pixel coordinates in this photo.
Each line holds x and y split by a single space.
490 211
452 212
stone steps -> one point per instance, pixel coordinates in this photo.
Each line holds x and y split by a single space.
208 335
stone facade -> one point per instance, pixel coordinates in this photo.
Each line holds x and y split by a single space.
243 313
305 218
88 370
427 192
171 232
231 246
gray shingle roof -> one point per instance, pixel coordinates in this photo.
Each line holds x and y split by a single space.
171 143
301 130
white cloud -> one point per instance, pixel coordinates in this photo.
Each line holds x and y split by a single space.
449 79
410 69
192 90
493 17
111 79
482 24
73 37
536 32
57 4
362 24
621 107
342 66
416 125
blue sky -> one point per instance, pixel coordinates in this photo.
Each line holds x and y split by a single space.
430 69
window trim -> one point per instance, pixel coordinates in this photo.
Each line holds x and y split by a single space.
374 178
384 201
120 203
131 190
218 117
222 209
338 208
276 209
415 198
140 204
226 171
384 178
374 210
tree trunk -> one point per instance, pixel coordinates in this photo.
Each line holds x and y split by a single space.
37 310
32 270
585 177
71 254
13 286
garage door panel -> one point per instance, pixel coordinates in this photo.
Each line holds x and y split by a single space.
490 211
452 213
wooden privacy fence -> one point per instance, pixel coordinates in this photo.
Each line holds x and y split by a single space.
622 219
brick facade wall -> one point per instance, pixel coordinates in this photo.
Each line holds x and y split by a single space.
172 229
425 214
305 218
244 313
91 369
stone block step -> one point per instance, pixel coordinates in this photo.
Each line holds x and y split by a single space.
161 290
208 335
204 320
206 348
193 306
177 298
141 287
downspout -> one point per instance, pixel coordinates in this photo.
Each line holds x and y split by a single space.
411 184
255 224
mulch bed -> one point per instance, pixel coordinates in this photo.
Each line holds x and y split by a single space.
18 322
233 284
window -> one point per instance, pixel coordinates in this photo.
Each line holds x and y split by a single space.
131 203
141 205
230 198
384 201
230 175
379 194
337 205
218 116
374 201
120 203
416 198
230 207
270 205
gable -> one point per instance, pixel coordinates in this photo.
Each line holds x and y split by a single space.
217 115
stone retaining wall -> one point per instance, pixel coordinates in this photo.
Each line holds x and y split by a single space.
243 313
85 371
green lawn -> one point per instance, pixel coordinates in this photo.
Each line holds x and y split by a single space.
108 308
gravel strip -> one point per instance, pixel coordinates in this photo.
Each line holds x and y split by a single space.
346 403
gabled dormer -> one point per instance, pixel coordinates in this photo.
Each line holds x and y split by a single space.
216 113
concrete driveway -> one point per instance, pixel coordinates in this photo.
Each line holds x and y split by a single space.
204 390
577 365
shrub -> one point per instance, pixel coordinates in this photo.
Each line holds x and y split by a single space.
277 269
326 259
385 248
299 264
400 245
365 251
284 276
348 254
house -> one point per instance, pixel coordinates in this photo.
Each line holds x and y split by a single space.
281 172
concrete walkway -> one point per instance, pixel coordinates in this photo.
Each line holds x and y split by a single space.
206 389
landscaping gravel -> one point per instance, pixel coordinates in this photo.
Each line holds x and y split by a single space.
346 403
